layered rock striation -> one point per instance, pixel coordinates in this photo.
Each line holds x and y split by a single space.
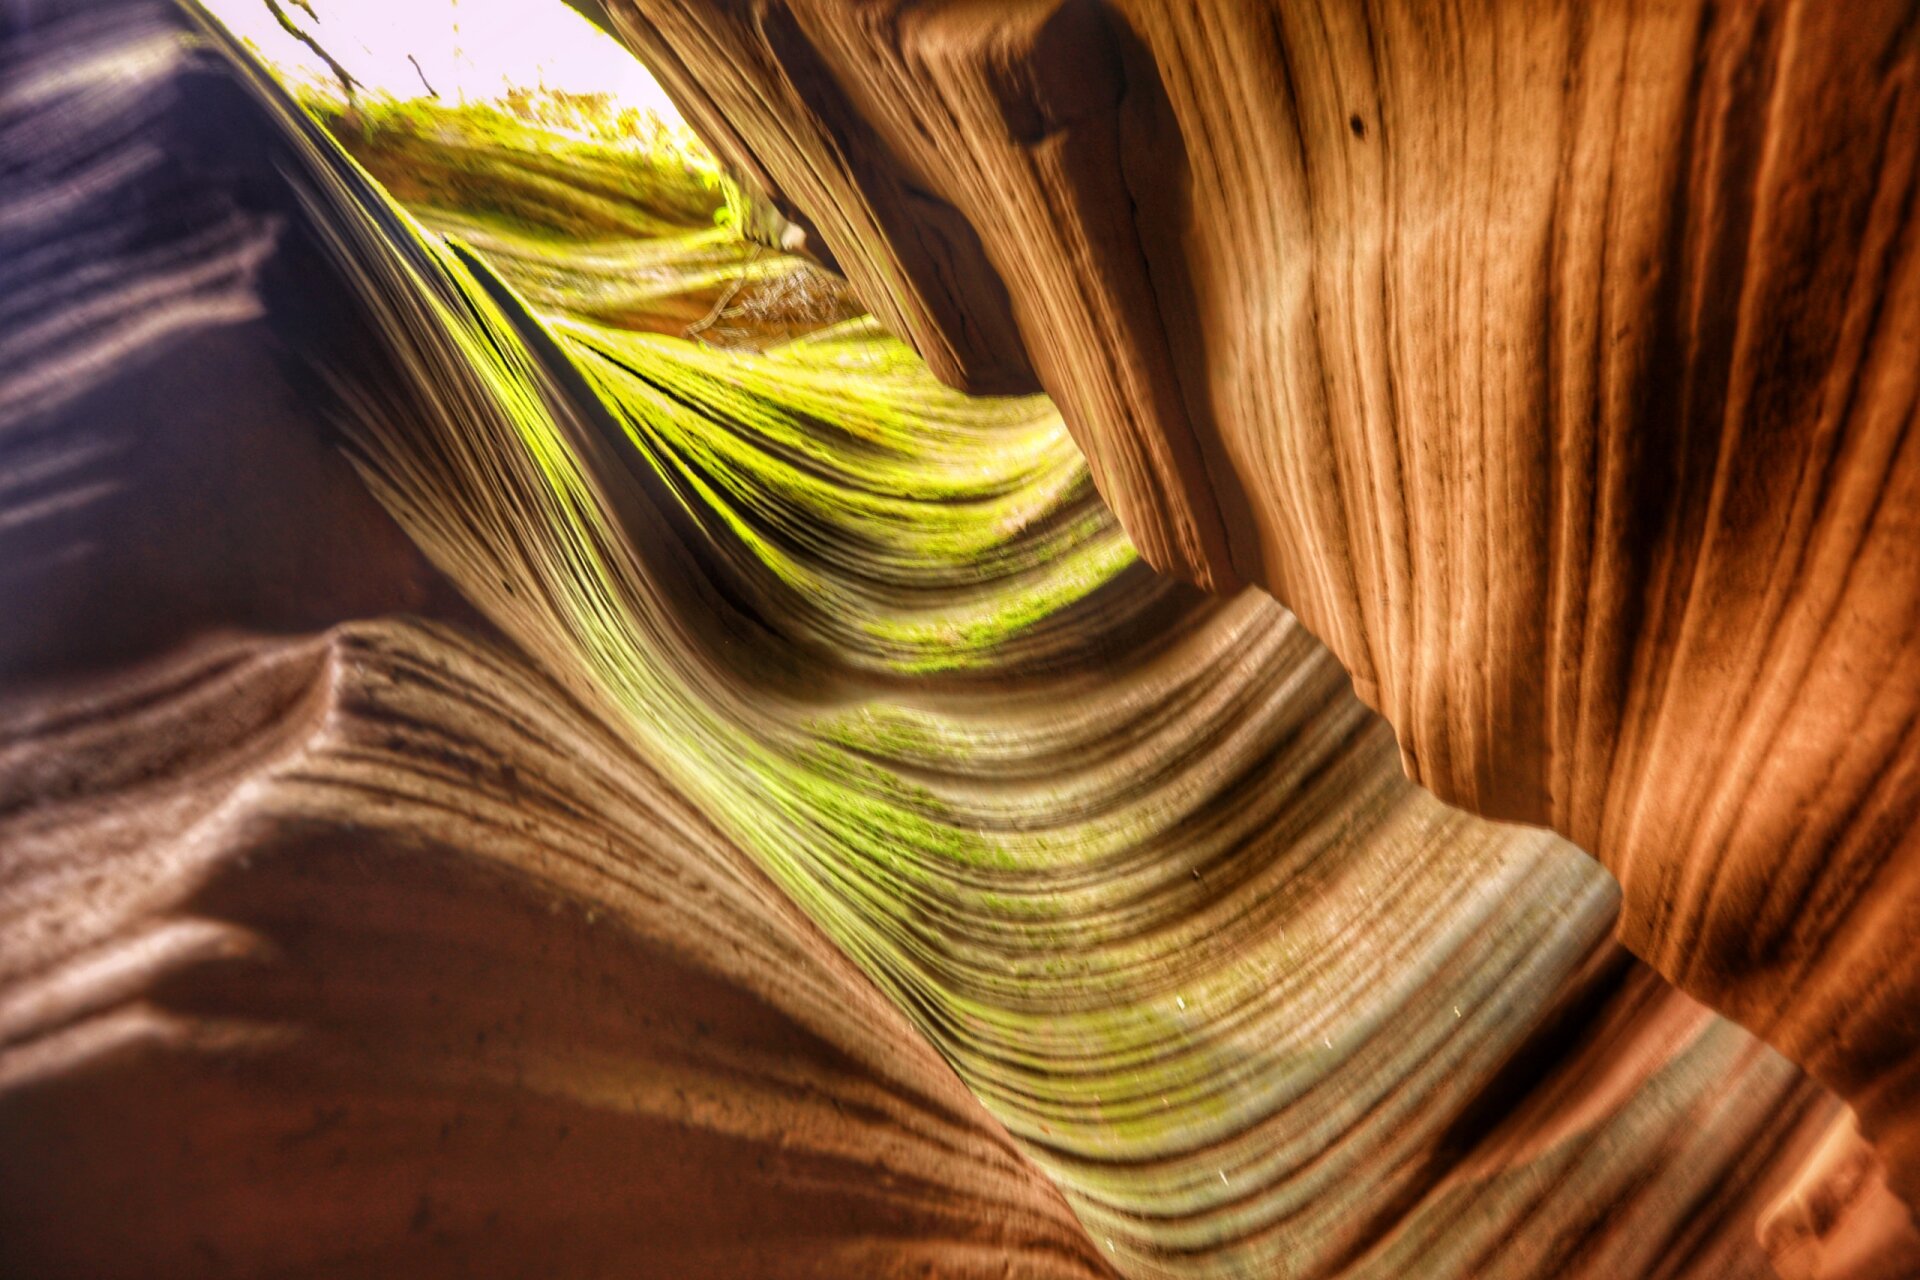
1554 362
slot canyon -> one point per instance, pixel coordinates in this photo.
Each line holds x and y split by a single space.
1149 639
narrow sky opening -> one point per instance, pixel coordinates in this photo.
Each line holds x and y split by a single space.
467 50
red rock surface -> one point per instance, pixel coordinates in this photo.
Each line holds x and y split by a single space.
369 954
335 939
1555 362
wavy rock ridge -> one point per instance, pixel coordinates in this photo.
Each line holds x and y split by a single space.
580 839
1555 362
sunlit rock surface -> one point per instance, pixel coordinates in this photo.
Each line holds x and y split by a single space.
1556 362
491 785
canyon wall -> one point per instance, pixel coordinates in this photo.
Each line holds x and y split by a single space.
1554 362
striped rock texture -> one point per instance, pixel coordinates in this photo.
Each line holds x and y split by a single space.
491 786
1556 362
367 953
340 942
